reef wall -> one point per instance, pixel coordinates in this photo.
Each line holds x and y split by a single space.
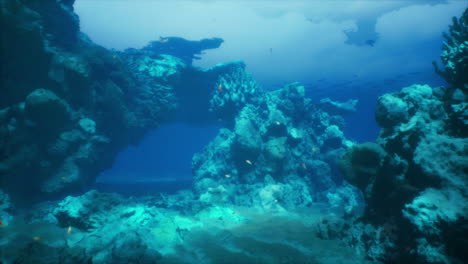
68 106
414 177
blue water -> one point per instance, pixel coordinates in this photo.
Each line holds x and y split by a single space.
165 153
279 44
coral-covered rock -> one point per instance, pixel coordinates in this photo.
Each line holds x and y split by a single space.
234 91
443 159
454 53
434 209
279 154
47 110
362 164
68 106
391 111
416 175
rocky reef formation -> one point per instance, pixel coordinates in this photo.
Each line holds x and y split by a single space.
69 106
278 155
414 178
266 189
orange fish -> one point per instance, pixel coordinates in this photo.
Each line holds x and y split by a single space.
304 165
2 224
227 175
220 88
69 230
37 238
248 162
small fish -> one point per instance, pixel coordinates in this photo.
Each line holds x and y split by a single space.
304 165
2 224
227 175
64 178
36 238
164 40
69 230
248 162
220 88
314 149
278 123
236 213
276 201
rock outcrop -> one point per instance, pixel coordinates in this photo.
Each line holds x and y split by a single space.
415 176
278 152
69 106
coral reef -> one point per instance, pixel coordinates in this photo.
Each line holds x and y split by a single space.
266 190
234 91
414 176
454 52
279 153
69 106
455 62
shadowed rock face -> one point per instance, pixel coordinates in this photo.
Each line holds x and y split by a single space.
69 106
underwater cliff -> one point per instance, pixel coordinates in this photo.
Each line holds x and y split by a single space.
280 182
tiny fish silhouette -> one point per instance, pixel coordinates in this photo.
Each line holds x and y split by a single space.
248 162
220 88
